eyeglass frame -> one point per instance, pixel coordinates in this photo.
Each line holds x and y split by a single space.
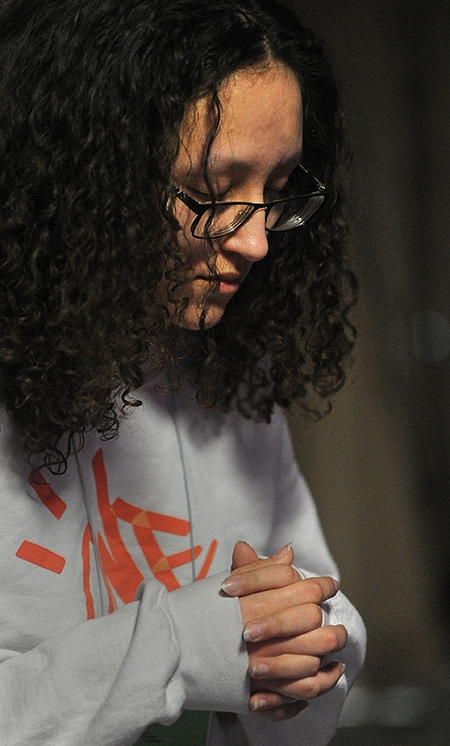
199 208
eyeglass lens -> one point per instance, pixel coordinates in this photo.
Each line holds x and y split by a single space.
224 219
295 211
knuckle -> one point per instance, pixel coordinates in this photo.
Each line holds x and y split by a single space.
316 616
315 666
283 625
343 634
311 688
332 639
280 709
290 710
316 590
279 714
291 574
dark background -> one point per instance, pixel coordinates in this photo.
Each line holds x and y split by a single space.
379 465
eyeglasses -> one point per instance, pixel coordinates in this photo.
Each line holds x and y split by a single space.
304 196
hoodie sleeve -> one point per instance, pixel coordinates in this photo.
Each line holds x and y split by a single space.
298 522
101 682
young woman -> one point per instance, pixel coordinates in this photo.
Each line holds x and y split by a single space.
172 276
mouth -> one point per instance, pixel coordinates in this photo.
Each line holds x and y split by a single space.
227 283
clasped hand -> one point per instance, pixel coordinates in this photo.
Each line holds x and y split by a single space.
283 630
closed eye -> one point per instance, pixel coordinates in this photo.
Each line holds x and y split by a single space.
277 191
203 196
280 187
270 195
197 194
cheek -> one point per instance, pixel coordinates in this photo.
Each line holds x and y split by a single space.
197 256
197 253
186 243
184 217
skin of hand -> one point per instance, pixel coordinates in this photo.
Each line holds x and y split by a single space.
284 633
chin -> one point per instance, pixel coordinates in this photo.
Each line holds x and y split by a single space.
191 319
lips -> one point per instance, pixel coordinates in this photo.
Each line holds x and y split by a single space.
227 278
225 285
231 279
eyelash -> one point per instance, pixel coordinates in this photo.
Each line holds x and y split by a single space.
204 197
274 193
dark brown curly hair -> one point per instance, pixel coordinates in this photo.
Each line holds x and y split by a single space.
92 94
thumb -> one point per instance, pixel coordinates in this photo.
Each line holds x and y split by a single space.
243 554
245 557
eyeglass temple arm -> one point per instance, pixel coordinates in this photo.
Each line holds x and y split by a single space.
190 202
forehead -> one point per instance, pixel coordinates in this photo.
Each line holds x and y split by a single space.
261 122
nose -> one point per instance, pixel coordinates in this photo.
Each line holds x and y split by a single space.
250 239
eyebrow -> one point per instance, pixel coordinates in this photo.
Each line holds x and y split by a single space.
226 163
222 165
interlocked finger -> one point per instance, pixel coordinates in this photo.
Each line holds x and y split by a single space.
287 623
307 688
285 667
321 641
275 707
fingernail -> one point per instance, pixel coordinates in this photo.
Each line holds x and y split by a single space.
254 631
337 585
232 585
259 669
283 551
336 666
259 704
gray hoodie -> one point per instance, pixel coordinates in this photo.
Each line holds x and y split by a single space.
102 627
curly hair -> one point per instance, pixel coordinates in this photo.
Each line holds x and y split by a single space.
93 93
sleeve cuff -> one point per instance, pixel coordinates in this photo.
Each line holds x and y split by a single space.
213 655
